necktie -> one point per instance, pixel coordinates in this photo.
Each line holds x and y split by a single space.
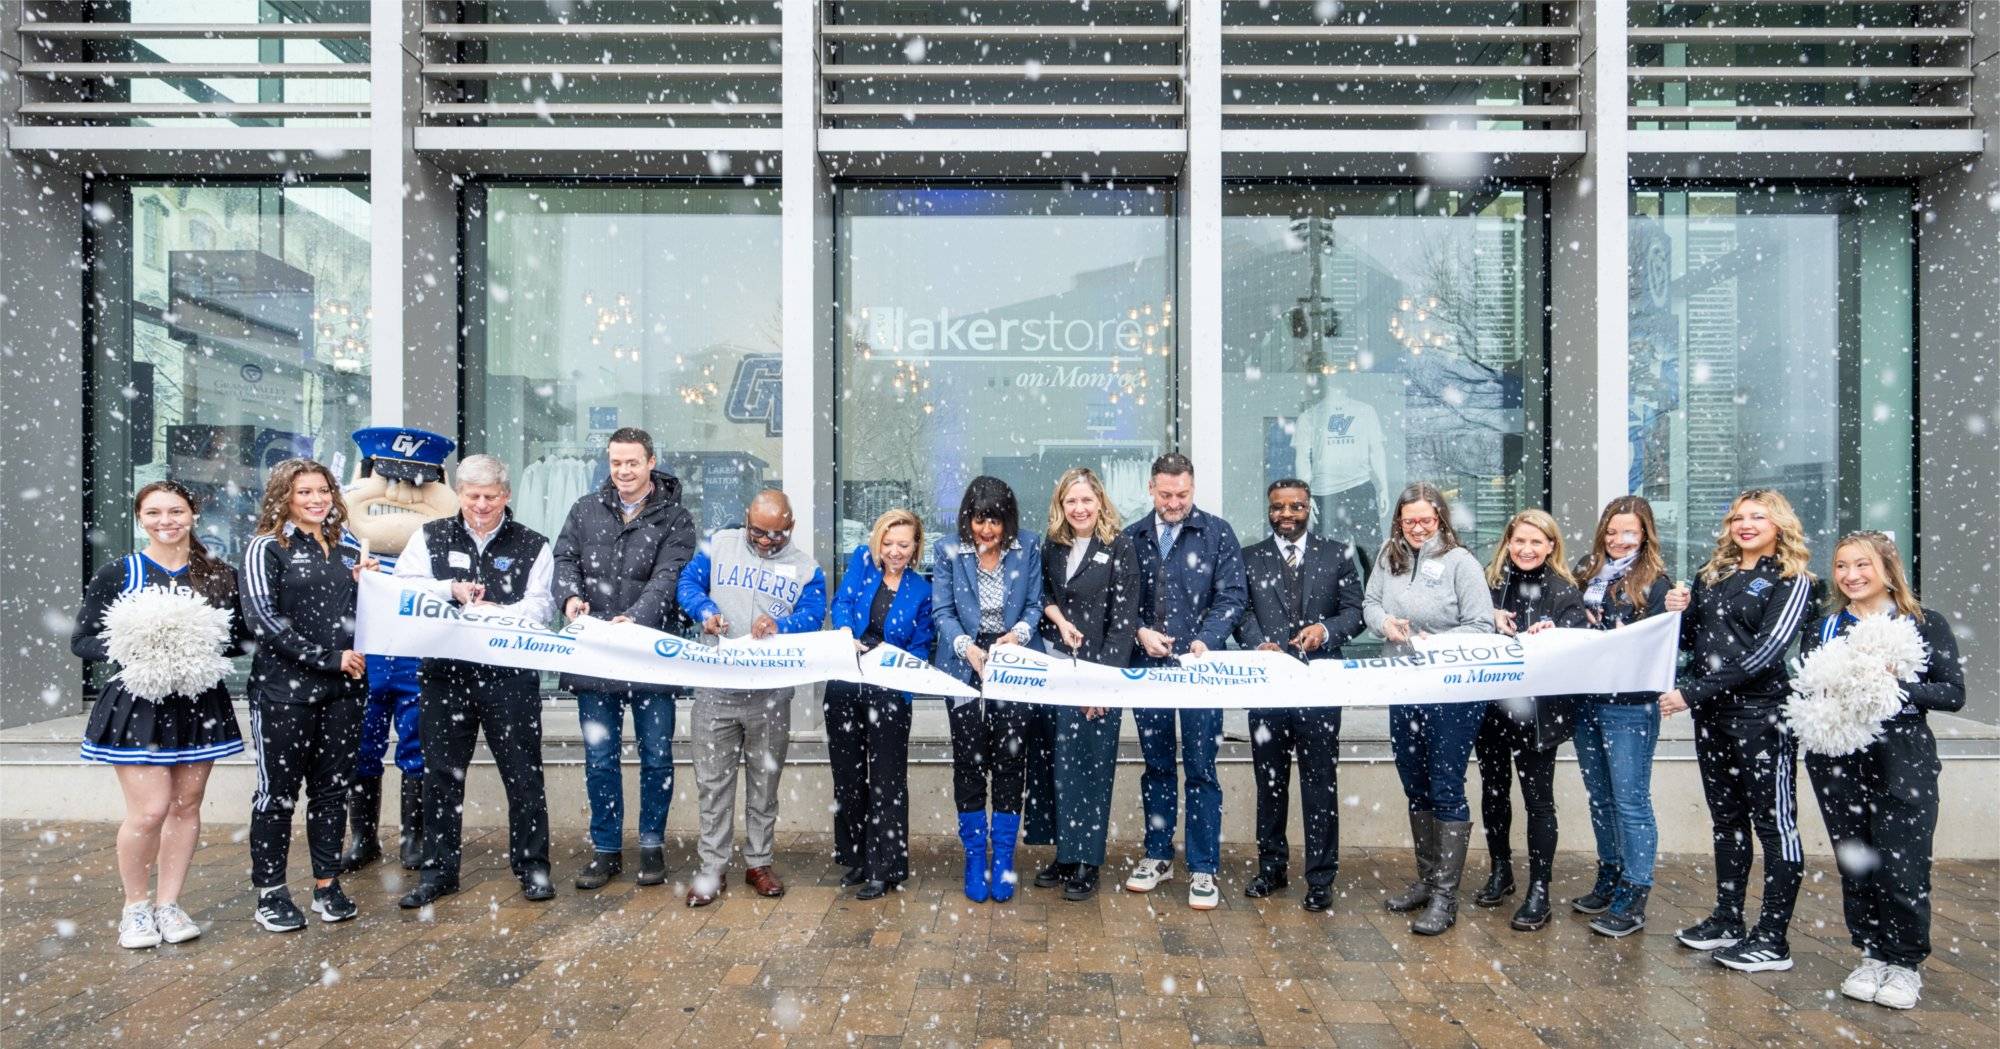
1291 555
1166 537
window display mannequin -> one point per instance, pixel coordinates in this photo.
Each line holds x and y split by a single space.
1339 448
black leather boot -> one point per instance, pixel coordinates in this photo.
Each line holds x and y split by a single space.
1534 912
1627 914
603 867
410 842
1424 841
364 815
1499 884
1441 912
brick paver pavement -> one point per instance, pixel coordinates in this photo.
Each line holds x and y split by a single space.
631 966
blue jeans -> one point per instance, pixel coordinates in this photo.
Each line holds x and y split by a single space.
1614 748
392 699
1159 786
1433 742
602 715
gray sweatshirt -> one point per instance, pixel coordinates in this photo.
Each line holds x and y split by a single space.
1444 592
728 576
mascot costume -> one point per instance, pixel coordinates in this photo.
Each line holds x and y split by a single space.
399 487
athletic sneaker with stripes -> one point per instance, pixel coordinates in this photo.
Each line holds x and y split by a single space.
277 913
1712 933
1759 953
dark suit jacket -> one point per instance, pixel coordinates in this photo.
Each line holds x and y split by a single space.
1102 601
1331 577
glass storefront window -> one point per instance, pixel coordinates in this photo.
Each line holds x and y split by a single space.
596 307
1375 336
1008 331
1773 335
229 330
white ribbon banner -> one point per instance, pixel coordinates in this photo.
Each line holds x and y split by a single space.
1446 668
393 619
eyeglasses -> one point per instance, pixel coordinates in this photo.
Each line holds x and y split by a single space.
1420 522
776 535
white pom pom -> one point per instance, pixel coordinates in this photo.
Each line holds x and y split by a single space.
166 642
1895 642
1848 687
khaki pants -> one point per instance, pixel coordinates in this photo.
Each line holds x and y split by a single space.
751 728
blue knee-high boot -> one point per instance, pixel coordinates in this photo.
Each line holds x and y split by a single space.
1006 828
972 834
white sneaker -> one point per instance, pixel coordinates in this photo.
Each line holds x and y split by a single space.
175 925
136 929
1148 875
1866 979
1202 893
1900 988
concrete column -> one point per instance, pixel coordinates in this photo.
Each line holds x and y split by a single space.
806 268
1958 399
42 358
1589 329
1201 313
413 230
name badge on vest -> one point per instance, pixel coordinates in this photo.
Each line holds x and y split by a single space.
786 571
1100 557
1433 571
458 559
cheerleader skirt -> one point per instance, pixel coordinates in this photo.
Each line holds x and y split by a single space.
176 730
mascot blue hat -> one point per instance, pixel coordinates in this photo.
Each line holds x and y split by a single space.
403 453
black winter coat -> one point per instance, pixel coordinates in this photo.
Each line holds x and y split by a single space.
629 568
1537 722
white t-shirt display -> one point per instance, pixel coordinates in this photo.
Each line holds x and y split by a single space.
1338 442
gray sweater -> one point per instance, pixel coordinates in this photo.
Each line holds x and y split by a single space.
1444 592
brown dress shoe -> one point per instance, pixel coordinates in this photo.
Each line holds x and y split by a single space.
765 881
704 891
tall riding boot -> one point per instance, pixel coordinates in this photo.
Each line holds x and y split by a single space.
411 843
364 814
972 834
1424 840
1442 910
1000 882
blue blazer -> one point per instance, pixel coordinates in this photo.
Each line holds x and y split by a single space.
955 596
1198 590
908 625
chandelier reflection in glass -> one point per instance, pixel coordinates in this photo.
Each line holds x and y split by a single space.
1415 324
344 334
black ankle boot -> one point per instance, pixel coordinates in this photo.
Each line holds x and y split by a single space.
1627 914
364 814
1598 899
1499 884
603 867
652 865
1534 912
